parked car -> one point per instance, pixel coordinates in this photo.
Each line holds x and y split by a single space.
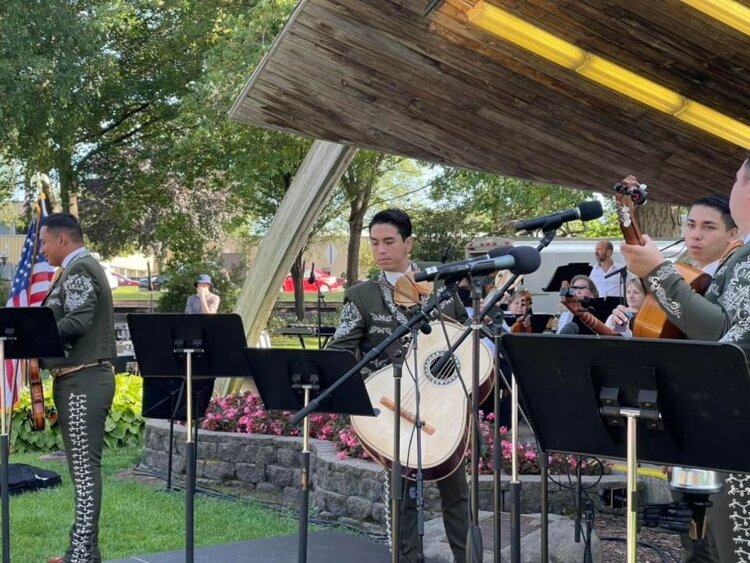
156 282
125 281
326 282
111 277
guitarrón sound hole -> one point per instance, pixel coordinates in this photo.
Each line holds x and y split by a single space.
437 374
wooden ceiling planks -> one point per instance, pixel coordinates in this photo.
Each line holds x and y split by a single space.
378 74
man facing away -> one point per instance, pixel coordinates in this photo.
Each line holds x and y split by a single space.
606 287
368 317
83 381
723 315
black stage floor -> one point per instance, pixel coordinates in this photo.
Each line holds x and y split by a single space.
322 547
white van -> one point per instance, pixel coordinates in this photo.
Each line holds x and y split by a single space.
560 252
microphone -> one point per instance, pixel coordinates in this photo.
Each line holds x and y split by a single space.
585 212
570 328
519 260
311 279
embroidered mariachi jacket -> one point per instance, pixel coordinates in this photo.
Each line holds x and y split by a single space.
722 315
370 315
82 304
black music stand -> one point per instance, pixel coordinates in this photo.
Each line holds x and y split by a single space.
288 379
164 398
25 332
189 346
567 272
586 395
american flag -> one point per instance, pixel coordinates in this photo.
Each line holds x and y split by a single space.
30 285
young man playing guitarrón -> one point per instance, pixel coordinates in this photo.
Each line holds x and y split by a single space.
368 317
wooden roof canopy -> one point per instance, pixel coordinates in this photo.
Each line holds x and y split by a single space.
380 74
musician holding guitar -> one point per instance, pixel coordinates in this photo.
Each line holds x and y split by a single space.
721 314
84 383
368 317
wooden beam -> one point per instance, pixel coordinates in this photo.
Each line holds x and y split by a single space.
311 188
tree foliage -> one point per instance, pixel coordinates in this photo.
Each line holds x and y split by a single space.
499 202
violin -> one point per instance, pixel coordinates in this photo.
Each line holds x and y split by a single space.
34 376
573 304
521 325
651 320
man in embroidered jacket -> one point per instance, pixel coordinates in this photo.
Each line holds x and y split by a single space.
84 383
723 314
368 317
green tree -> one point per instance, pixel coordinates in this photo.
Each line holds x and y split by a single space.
83 78
500 202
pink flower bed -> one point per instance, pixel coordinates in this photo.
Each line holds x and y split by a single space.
245 413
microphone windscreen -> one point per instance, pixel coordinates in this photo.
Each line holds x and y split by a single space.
526 259
499 251
570 328
590 210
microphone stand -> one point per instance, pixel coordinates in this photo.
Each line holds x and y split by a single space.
489 303
474 549
419 478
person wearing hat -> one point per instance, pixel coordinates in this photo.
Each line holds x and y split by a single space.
7 271
203 302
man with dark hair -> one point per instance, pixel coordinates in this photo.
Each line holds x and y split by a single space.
83 381
710 229
368 317
722 314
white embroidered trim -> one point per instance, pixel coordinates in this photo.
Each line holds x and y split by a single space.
350 318
78 289
83 527
738 489
655 280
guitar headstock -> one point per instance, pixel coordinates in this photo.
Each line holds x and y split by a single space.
629 192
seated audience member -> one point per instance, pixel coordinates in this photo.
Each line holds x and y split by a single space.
634 296
583 287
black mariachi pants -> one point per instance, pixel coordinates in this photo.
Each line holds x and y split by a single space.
454 502
82 400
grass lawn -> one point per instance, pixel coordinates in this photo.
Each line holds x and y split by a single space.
136 518
132 293
330 297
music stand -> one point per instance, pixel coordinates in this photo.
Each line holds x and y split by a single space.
288 379
25 332
164 398
189 346
586 395
567 272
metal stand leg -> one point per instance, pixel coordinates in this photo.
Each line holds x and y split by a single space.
4 455
632 490
189 462
304 484
397 493
515 484
544 470
474 548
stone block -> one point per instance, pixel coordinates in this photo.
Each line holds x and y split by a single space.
206 450
279 476
288 457
218 470
371 489
250 472
358 508
378 512
336 503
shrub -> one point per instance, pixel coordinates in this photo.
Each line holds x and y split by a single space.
245 413
123 427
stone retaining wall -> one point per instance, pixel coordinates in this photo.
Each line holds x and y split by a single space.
349 491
